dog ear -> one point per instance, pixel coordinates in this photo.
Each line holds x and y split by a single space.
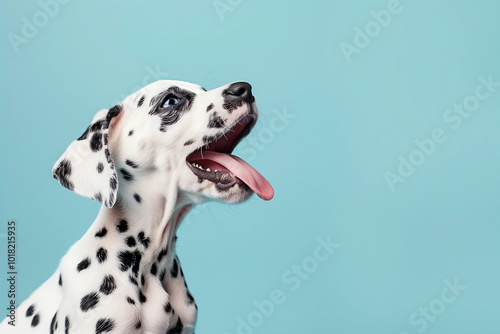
86 167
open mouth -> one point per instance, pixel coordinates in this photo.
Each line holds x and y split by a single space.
214 161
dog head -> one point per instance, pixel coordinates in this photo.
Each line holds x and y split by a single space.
169 134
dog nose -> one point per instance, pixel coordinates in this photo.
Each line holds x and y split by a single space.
239 91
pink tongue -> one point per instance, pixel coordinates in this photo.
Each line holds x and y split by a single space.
241 169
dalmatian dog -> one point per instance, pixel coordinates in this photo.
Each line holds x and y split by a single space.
148 160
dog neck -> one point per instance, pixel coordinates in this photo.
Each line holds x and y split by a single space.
149 209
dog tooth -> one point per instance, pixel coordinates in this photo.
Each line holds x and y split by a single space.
208 169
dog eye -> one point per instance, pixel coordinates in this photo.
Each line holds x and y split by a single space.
171 101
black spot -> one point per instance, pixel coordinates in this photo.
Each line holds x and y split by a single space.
154 269
162 275
126 175
36 320
67 325
84 264
232 106
174 271
113 182
137 262
142 298
168 307
62 172
130 260
100 167
30 310
122 226
137 198
108 285
176 329
126 260
102 255
144 241
131 132
132 280
141 101
130 301
104 325
189 142
162 253
130 241
99 125
60 279
142 280
96 142
204 89
113 112
138 325
53 324
216 121
89 301
190 298
131 163
101 233
98 197
210 107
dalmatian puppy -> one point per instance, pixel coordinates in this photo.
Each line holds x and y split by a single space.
148 160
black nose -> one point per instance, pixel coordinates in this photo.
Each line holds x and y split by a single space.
239 92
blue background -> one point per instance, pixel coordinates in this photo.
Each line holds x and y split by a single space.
350 119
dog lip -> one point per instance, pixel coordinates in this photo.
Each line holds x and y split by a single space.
220 177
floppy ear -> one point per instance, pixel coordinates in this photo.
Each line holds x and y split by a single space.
86 167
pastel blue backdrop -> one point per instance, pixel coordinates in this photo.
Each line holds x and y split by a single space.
379 130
